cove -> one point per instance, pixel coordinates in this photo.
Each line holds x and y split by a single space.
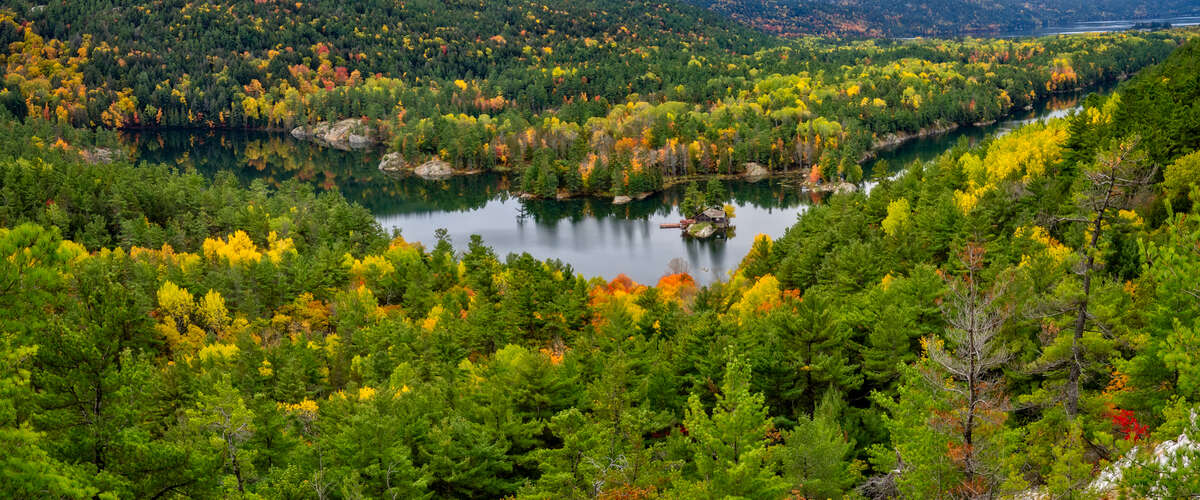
595 237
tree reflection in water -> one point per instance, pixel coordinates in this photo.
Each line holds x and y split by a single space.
596 237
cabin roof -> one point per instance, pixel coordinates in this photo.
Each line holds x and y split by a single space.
714 213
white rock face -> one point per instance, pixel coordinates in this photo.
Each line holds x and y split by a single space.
621 200
1167 456
302 132
845 187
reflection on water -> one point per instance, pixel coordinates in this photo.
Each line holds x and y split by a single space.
276 157
596 237
601 239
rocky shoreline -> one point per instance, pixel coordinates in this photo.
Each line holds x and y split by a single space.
345 134
897 138
356 134
434 169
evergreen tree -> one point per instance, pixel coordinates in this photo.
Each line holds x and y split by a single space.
817 457
715 194
693 201
729 445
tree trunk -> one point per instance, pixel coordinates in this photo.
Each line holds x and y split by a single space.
1076 371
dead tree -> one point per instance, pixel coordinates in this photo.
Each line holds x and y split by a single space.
971 354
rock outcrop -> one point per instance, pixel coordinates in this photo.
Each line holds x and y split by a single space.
755 172
434 169
345 134
621 200
833 187
1167 457
701 230
392 162
898 138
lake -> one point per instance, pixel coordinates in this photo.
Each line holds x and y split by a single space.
1103 26
595 237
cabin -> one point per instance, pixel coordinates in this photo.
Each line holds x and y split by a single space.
714 216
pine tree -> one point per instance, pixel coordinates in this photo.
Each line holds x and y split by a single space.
817 457
223 416
693 201
729 445
715 194
1112 183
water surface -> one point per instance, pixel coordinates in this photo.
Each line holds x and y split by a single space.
594 236
1080 27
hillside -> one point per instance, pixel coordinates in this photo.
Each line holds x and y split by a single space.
1010 318
140 44
600 98
935 18
1018 317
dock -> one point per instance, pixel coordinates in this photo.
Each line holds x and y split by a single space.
682 224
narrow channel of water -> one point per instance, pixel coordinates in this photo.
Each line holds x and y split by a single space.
592 235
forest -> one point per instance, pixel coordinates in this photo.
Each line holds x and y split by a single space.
602 97
1016 317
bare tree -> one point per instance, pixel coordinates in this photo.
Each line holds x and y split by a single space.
677 266
971 353
1114 183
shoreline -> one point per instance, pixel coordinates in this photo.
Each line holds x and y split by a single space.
880 144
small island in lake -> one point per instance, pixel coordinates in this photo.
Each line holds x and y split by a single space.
706 213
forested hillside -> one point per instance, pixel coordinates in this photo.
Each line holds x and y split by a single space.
1011 318
944 18
602 97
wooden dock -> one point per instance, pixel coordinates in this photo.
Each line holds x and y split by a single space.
682 224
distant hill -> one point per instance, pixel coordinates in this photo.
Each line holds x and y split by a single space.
193 61
886 18
427 38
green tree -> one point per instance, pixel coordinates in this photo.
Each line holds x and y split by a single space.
817 458
819 350
693 201
1167 366
222 420
715 194
26 469
730 446
917 454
